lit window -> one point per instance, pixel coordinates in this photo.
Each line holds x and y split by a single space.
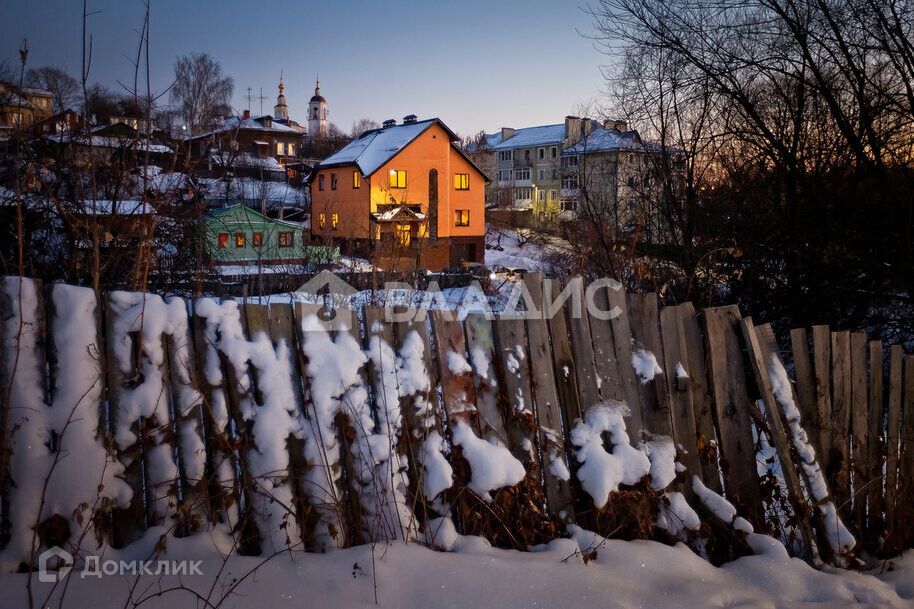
322 220
334 221
280 148
320 182
223 240
286 238
461 217
333 181
462 181
398 178
290 149
403 234
356 179
258 239
239 240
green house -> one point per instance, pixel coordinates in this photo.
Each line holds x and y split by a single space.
241 235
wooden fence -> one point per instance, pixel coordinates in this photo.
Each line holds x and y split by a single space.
283 429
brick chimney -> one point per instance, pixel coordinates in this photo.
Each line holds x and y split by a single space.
507 133
572 128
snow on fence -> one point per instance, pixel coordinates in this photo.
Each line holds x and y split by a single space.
139 417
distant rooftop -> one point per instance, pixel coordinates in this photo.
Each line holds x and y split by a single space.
527 137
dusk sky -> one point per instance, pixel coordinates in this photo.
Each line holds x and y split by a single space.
477 64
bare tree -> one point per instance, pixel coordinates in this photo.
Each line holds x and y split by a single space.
361 126
63 87
201 91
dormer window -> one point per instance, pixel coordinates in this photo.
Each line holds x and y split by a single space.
267 122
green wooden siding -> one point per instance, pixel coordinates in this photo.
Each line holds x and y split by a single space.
241 220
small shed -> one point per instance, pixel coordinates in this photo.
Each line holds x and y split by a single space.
240 235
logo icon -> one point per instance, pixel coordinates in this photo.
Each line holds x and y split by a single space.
51 570
328 299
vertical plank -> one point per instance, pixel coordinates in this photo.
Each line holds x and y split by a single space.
701 396
458 389
480 343
622 345
421 411
906 459
859 412
893 431
821 339
839 458
223 489
548 411
325 481
562 359
129 522
761 350
512 362
653 394
582 347
732 412
679 388
875 417
284 332
604 354
807 400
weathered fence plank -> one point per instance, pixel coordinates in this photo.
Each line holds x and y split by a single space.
893 430
480 343
582 347
839 457
807 398
762 347
701 395
859 412
608 367
548 410
875 417
679 386
732 410
653 394
906 458
622 344
821 339
458 388
512 362
563 360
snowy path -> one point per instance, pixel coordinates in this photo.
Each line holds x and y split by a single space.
624 575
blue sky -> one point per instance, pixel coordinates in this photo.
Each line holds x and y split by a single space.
476 64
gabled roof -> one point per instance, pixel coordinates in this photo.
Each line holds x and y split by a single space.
399 213
377 146
234 123
218 212
608 140
374 148
528 137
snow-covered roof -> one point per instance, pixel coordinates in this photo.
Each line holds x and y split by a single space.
234 123
125 208
98 141
377 146
605 140
528 137
394 213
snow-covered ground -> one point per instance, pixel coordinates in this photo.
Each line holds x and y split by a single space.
623 574
506 248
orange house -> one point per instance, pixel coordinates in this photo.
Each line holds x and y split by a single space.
403 195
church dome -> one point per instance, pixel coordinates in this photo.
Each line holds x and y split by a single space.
318 98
